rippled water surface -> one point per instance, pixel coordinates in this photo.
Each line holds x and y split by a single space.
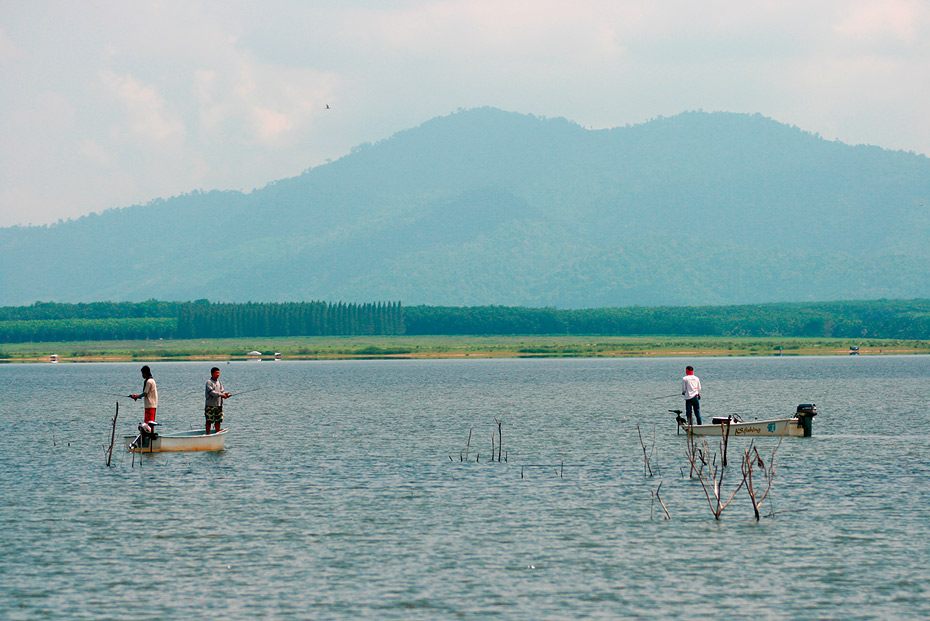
342 494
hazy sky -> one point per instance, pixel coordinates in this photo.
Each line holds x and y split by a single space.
109 104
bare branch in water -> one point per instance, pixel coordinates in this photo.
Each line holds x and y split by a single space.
659 498
647 469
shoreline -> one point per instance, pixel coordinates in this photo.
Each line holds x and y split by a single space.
448 347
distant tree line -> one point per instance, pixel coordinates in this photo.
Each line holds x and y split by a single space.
47 321
97 329
90 310
892 319
202 319
44 321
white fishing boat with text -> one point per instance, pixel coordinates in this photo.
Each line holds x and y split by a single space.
195 440
800 425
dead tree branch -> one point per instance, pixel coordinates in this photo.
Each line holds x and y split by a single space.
751 460
659 498
712 482
647 469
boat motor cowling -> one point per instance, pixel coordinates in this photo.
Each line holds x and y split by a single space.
147 433
148 429
805 414
679 418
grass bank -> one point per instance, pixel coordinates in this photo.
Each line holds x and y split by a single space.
335 347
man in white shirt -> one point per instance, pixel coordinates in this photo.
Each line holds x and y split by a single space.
149 395
691 389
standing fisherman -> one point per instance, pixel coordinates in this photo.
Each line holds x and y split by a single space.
213 400
149 395
691 389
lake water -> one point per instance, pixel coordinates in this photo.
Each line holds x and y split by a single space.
341 493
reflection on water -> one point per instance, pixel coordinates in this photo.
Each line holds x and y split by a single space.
342 494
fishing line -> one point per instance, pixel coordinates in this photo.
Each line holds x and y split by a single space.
677 394
243 392
100 392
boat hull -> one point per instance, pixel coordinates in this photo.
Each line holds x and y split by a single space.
757 428
179 441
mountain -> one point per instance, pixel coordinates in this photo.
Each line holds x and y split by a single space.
491 207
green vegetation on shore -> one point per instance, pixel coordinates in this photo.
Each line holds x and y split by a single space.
882 319
348 347
156 330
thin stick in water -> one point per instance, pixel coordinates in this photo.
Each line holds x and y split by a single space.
112 435
500 444
664 508
647 469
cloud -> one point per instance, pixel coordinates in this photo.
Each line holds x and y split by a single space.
98 155
145 109
257 104
270 124
896 20
9 52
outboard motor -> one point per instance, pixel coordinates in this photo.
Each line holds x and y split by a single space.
147 433
805 415
679 418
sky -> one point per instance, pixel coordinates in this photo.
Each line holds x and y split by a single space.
107 104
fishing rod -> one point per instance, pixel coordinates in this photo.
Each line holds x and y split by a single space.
101 392
677 394
243 392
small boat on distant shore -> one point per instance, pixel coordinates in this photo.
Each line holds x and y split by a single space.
799 425
195 440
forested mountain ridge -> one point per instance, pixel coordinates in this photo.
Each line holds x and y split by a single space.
491 207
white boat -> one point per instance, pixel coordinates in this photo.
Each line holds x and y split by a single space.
195 440
799 425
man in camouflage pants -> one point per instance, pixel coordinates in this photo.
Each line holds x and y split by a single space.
214 395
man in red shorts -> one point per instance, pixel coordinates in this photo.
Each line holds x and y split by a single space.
149 395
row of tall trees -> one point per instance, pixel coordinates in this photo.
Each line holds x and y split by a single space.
205 320
46 321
